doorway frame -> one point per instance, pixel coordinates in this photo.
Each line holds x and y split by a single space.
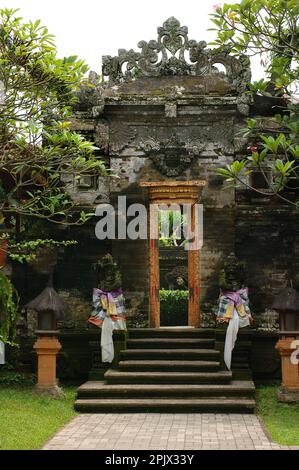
173 192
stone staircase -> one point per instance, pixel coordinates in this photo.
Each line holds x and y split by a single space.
168 370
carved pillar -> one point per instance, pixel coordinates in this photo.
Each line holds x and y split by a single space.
154 267
193 276
289 390
47 348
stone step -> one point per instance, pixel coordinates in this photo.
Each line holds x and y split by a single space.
173 354
173 343
98 389
175 332
169 365
183 405
122 377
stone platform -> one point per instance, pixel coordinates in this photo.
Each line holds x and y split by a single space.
168 370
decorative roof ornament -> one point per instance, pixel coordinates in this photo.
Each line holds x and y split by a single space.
173 53
48 300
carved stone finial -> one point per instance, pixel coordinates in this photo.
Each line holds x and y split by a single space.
173 53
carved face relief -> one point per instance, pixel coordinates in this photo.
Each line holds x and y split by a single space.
172 163
172 157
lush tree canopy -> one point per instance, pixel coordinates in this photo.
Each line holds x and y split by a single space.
268 29
37 144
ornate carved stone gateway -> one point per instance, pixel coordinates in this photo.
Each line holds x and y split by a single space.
173 53
167 113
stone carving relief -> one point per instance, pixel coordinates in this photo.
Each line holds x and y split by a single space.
113 137
89 96
170 110
101 135
173 53
120 135
170 153
173 156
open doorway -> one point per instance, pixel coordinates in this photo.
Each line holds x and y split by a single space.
173 265
171 193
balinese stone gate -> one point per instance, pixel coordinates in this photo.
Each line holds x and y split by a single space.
168 112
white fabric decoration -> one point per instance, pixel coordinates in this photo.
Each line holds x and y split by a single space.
231 335
107 346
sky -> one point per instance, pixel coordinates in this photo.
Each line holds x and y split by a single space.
92 28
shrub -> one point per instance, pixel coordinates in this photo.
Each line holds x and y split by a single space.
174 307
10 378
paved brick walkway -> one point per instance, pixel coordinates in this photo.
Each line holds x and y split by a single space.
162 431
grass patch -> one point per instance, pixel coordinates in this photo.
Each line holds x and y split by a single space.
28 420
281 419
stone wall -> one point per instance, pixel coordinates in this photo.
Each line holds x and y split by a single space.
140 138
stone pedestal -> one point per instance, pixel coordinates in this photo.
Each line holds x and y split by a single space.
289 390
47 348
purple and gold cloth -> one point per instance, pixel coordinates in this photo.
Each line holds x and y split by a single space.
107 304
230 301
234 309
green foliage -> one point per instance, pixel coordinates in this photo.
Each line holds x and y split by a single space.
232 171
260 87
174 306
9 303
281 419
268 28
165 241
26 251
171 224
37 143
34 235
173 295
28 420
13 378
